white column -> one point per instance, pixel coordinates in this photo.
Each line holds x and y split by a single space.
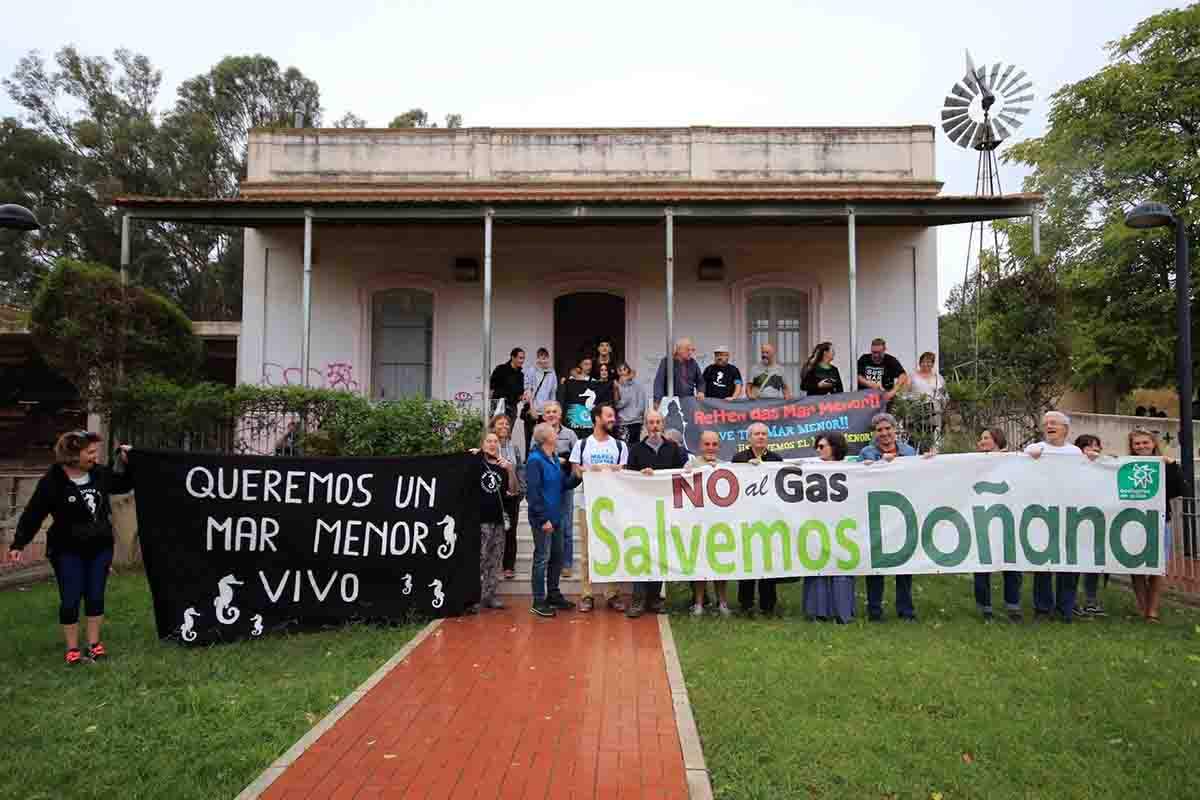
125 249
852 244
306 334
1036 219
670 215
487 309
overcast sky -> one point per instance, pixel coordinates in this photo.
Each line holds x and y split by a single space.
616 63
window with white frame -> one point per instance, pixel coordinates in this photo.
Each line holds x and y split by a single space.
778 317
401 344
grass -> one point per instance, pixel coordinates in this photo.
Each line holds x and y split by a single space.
949 707
158 720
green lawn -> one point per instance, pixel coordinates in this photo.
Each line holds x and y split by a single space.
949 707
157 720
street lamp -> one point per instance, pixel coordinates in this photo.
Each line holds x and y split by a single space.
1158 215
18 217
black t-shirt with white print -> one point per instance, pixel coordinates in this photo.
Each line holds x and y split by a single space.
87 489
884 373
721 382
493 489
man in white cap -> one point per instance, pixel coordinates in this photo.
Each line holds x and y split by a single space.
722 380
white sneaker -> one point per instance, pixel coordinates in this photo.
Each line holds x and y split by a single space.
726 611
697 610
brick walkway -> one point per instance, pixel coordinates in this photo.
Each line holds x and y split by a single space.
507 705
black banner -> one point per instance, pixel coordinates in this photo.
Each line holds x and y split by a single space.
792 425
238 546
578 398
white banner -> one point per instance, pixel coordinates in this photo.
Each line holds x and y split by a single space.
952 513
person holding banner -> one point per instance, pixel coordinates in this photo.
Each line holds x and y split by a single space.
600 451
757 453
508 384
820 376
1147 589
548 486
1054 591
650 454
564 442
886 448
76 493
510 453
497 477
709 457
830 596
994 440
578 397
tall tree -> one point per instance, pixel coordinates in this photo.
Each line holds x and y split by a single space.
1130 132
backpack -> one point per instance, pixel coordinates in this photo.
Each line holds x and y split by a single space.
583 449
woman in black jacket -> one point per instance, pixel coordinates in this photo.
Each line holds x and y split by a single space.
79 544
819 376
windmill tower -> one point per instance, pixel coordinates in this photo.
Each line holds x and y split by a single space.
983 108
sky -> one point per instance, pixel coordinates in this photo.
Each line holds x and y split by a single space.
618 63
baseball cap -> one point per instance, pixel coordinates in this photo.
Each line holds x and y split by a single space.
722 348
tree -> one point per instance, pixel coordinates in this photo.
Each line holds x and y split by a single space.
350 120
419 118
92 331
1130 132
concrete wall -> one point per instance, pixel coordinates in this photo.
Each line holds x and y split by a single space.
1113 430
863 155
535 264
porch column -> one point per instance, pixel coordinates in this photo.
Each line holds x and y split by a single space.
125 246
306 333
853 248
670 215
487 310
1036 219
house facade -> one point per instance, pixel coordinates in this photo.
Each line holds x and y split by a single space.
409 262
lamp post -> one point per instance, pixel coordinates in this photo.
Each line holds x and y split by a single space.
1158 215
18 217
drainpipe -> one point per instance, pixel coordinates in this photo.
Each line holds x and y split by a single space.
670 215
306 335
487 309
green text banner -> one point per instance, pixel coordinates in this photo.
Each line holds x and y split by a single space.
950 513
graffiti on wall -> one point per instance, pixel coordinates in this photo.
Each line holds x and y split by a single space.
337 375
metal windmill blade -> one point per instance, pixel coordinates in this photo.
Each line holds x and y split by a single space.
987 105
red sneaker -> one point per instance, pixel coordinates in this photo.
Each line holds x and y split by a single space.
74 657
96 651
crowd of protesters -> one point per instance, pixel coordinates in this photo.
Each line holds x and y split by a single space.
620 429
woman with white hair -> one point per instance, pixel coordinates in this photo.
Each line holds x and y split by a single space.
1055 591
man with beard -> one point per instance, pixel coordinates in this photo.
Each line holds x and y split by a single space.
722 380
768 379
508 384
601 450
882 371
652 453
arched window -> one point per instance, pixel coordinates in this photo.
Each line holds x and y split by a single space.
401 344
779 317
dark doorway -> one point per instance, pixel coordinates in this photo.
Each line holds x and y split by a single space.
580 321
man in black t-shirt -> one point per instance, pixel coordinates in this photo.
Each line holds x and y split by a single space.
722 380
508 384
881 371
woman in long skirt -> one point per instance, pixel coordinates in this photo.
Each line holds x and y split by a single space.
830 596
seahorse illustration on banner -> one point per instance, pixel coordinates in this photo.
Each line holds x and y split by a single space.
407 584
438 596
446 548
226 614
188 629
258 628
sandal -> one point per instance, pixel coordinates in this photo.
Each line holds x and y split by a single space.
1153 619
586 604
509 574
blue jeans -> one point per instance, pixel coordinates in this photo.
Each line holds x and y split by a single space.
1091 586
1055 591
904 598
568 530
81 577
1012 590
547 565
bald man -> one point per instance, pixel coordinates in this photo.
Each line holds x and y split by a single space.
688 380
768 379
1054 592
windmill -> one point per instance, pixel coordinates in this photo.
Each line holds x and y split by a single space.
983 108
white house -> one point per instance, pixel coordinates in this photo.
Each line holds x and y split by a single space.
415 259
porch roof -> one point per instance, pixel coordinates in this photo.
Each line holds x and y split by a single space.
275 204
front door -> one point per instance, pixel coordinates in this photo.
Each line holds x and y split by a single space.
581 320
